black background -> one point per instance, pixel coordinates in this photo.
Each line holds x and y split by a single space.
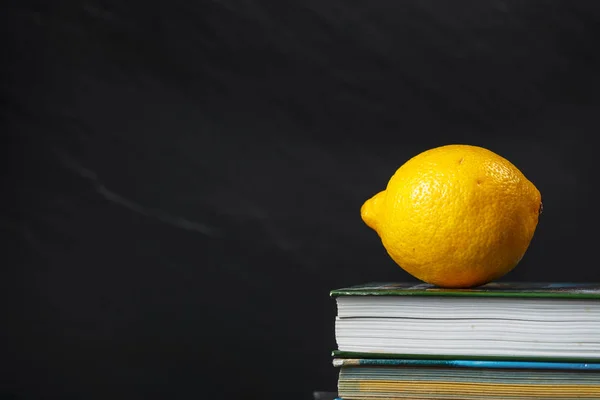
184 178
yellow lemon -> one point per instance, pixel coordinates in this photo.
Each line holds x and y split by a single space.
456 216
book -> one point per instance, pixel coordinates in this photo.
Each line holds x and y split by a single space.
500 320
466 379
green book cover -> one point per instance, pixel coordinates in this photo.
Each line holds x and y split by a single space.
494 289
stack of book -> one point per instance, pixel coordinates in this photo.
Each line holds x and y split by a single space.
497 341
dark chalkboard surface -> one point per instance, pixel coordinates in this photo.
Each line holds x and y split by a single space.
174 171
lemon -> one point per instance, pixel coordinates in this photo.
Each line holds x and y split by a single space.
456 216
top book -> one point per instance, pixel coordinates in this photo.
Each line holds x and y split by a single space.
500 320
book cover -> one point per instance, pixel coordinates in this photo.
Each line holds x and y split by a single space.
339 354
493 289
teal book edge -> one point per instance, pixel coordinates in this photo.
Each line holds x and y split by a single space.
490 364
493 289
